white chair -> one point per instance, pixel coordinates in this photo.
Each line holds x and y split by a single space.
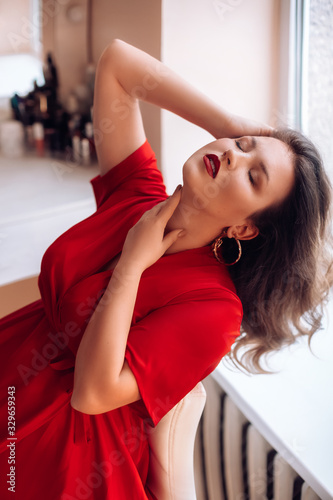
171 473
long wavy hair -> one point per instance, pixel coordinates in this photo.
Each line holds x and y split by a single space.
285 273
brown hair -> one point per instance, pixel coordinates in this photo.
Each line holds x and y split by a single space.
285 273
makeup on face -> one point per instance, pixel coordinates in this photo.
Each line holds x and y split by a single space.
212 164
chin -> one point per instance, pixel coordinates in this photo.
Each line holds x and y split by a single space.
192 175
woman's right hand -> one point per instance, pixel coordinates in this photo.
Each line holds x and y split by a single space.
146 241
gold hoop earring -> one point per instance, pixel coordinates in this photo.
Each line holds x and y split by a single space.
218 243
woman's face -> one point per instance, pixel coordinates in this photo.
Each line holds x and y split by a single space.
230 179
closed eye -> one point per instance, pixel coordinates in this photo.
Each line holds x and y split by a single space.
238 144
251 178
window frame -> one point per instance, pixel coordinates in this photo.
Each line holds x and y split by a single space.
294 42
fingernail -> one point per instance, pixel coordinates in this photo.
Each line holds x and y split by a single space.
177 188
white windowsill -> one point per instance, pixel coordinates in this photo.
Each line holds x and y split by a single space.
293 409
40 198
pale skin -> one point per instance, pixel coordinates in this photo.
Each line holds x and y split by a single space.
103 379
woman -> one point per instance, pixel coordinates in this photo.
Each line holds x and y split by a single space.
137 298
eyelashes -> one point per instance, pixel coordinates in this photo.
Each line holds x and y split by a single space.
238 144
251 178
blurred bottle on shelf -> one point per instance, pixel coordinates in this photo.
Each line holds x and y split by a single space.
59 125
85 151
38 134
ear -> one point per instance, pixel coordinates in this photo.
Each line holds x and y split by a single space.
246 231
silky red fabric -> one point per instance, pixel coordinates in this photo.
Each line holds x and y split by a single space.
186 317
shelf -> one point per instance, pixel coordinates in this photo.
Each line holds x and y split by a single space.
40 198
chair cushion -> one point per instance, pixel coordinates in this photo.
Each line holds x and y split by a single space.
171 442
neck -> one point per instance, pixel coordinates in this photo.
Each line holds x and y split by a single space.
197 231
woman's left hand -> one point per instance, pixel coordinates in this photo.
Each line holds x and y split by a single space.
145 242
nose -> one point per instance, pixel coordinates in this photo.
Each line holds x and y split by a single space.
229 157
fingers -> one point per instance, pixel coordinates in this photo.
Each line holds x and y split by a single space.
171 237
266 130
167 207
164 210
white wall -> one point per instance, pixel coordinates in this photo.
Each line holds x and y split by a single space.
229 50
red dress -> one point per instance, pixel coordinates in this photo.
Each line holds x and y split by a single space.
186 317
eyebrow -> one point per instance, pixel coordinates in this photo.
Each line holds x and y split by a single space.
261 164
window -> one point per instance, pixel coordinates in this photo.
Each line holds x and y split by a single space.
20 71
318 78
306 86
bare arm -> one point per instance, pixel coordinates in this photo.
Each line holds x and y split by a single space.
103 380
126 75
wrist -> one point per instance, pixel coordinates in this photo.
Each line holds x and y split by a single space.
128 270
123 281
221 124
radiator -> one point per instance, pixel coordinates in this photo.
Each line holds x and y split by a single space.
234 462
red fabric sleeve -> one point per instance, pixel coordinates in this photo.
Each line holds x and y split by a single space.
122 195
138 173
176 346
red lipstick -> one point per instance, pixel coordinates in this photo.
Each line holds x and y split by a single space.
212 164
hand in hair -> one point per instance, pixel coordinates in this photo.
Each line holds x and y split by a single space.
238 126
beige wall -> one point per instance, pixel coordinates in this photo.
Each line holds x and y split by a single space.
229 49
15 29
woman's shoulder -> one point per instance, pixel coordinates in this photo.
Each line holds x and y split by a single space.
138 173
